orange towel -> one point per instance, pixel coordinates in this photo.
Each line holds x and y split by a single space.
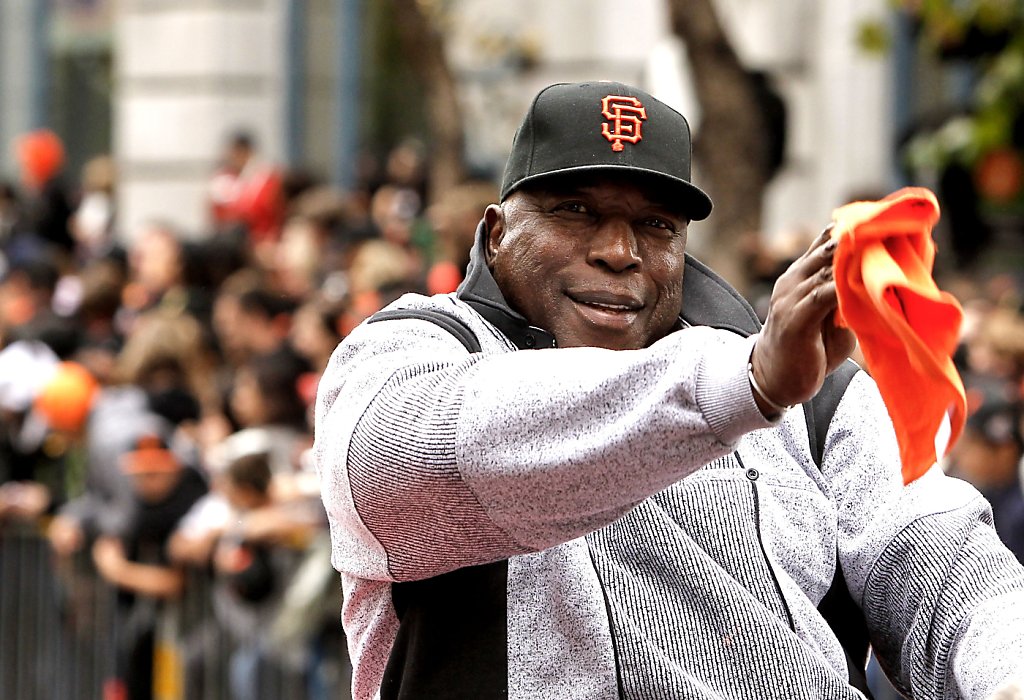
907 328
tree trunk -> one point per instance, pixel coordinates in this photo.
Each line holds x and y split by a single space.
732 144
424 47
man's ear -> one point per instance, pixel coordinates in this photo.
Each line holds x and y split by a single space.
494 224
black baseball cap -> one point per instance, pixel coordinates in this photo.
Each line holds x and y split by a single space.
604 126
998 422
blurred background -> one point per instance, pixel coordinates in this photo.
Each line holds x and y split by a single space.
200 198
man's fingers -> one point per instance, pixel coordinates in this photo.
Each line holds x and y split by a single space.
800 343
817 295
817 257
821 240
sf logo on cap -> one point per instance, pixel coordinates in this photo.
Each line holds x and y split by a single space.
626 115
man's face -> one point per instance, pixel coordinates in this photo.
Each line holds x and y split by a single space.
597 261
155 486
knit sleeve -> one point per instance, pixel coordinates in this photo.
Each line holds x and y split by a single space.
432 459
924 562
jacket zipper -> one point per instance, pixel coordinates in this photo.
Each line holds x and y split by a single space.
752 476
611 628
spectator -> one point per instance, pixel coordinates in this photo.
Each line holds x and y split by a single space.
454 216
26 296
134 558
315 331
265 402
223 530
47 207
102 282
93 221
406 168
996 350
43 404
164 354
300 256
246 192
10 214
45 401
988 455
156 261
264 319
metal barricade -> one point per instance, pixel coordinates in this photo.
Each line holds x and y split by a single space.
61 626
57 625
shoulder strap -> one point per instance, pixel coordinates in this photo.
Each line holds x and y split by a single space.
451 636
458 328
838 608
818 411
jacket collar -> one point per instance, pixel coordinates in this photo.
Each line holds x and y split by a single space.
480 291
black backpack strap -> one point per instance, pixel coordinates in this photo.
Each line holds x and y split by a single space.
451 639
819 410
463 333
838 608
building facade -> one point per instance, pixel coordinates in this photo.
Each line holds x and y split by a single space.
183 74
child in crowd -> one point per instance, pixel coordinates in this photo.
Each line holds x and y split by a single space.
236 531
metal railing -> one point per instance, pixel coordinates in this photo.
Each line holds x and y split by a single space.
63 630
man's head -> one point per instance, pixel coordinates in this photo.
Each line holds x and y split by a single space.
589 237
153 468
990 449
246 482
239 149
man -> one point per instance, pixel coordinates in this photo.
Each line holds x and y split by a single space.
988 456
634 514
246 192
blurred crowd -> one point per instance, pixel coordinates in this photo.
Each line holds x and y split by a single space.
156 385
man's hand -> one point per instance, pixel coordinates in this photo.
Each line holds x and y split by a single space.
66 536
800 343
24 500
109 558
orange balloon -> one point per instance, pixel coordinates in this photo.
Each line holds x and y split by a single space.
41 155
66 399
1000 175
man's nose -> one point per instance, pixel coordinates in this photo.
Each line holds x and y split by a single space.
614 245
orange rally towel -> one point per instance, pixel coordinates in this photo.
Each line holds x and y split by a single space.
907 328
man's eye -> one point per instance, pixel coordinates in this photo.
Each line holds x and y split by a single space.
572 208
659 223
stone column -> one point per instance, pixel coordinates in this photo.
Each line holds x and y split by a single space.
23 74
189 72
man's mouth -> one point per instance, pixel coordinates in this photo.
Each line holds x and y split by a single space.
604 299
607 309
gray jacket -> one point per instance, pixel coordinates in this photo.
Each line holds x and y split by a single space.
586 523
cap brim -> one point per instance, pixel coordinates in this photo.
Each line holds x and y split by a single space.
696 203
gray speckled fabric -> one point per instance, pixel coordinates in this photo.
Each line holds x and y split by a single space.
663 539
